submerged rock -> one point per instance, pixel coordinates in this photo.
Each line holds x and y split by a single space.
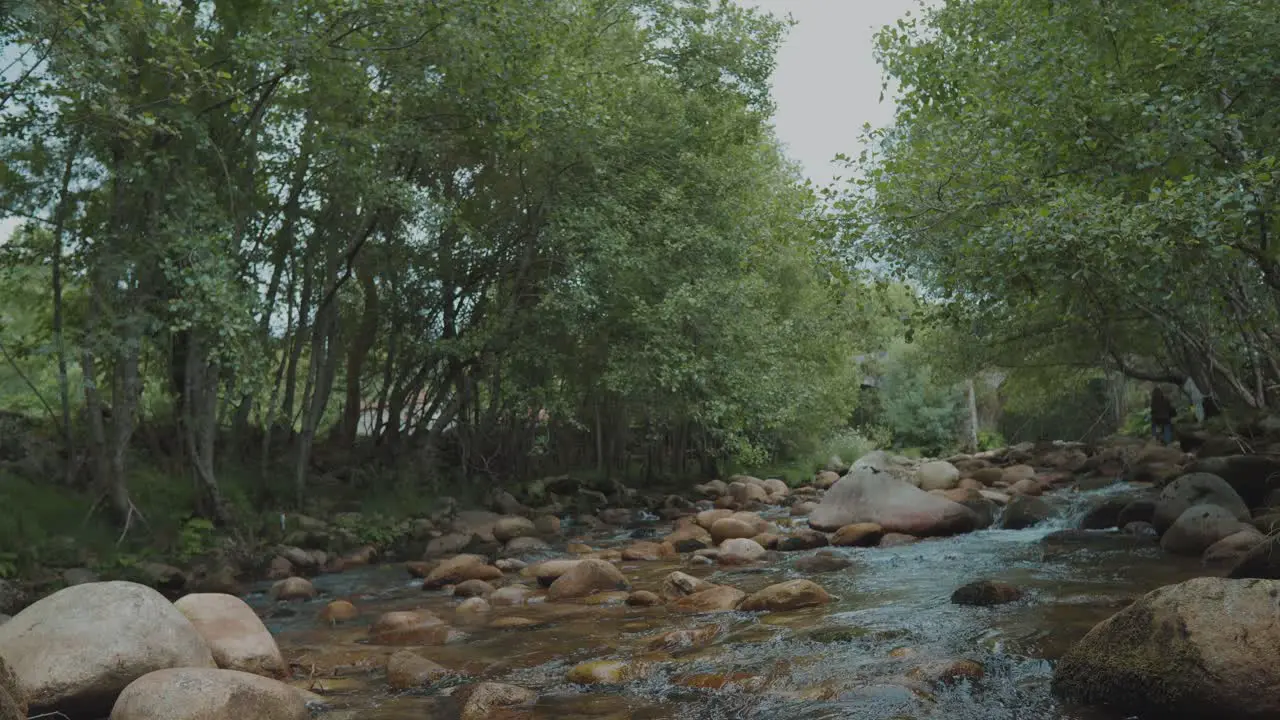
1202 648
479 701
407 669
1025 511
791 595
718 598
823 562
586 578
984 593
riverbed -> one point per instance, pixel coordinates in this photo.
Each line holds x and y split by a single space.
880 651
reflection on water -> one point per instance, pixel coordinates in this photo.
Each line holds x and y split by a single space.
874 653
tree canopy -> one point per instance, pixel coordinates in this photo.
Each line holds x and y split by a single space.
1087 185
468 238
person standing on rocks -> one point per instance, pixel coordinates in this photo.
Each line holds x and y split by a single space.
1162 413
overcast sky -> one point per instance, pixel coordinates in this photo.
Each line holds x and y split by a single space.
827 85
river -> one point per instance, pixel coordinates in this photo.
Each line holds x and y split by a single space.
872 654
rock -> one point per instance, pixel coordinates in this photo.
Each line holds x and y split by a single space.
858 535
603 672
802 509
718 598
525 545
1201 648
458 569
339 611
988 476
984 593
1198 528
512 527
13 700
510 565
677 585
776 487
1140 510
822 562
803 540
473 606
869 495
685 639
1028 486
937 475
75 650
472 588
1252 477
480 701
1196 489
585 578
707 518
547 572
292 588
410 627
730 527
234 633
547 525
449 544
1138 528
1232 548
713 488
643 598
479 523
895 539
740 550
1025 511
1017 473
208 694
791 595
1105 515
165 578
648 551
509 595
407 669
826 479
1261 561
746 493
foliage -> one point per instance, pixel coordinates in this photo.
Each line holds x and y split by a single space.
470 242
1087 184
919 408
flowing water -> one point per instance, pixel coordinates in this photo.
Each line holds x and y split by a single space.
872 654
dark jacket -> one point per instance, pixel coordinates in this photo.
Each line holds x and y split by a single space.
1161 409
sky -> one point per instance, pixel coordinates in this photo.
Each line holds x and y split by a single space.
826 85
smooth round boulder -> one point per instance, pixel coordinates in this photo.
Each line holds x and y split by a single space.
823 561
1230 549
937 475
858 535
740 550
292 588
717 598
409 627
791 595
472 589
677 585
587 577
1202 648
1196 489
208 694
510 595
1198 528
874 496
234 632
730 527
707 518
339 611
75 650
643 598
1015 474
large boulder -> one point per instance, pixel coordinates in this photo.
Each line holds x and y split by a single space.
1196 489
208 694
870 495
937 475
1199 649
234 633
1251 476
1198 528
75 650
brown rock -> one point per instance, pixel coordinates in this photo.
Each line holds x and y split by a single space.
678 585
407 669
279 569
643 598
826 479
822 562
729 527
1230 549
510 595
473 606
870 495
458 568
895 539
791 595
585 578
604 672
718 598
858 535
707 518
803 540
472 588
739 551
339 611
648 551
685 639
482 700
985 593
293 588
547 524
410 627
549 571
512 527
